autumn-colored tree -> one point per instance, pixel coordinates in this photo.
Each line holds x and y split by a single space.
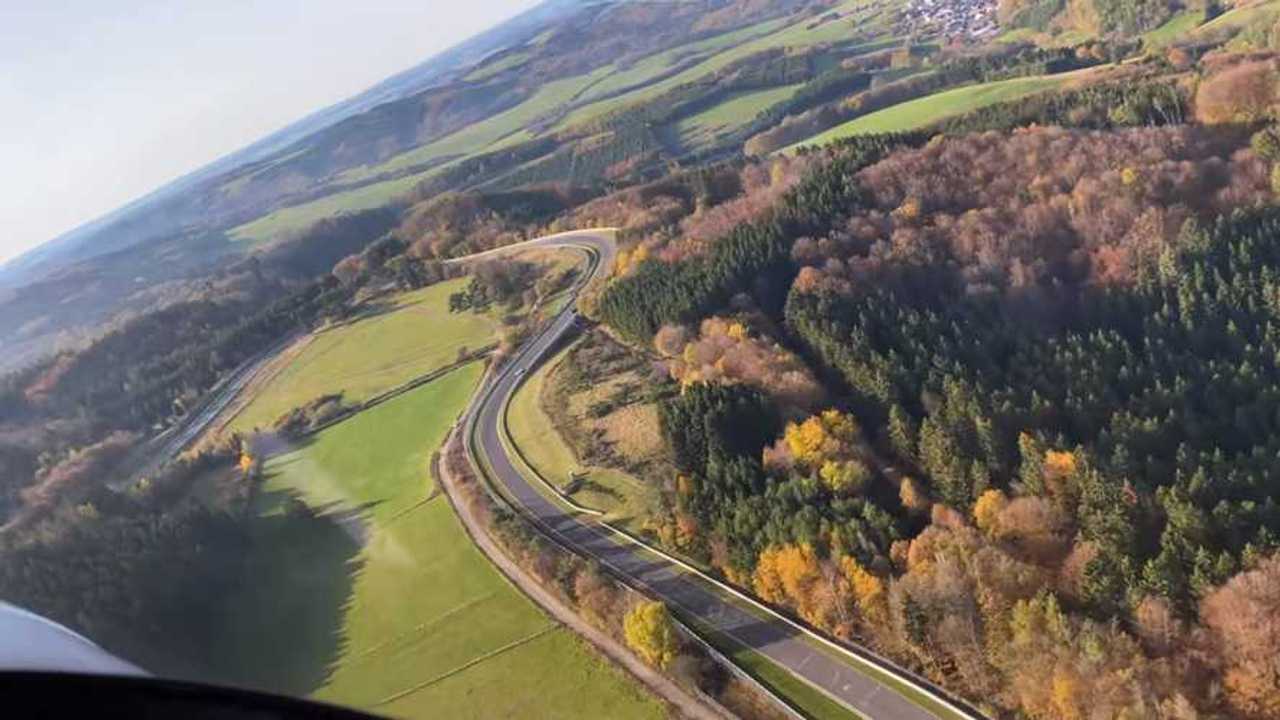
628 260
1158 625
1178 58
987 509
1266 143
246 463
596 597
1059 468
844 476
938 542
794 576
869 591
1035 527
785 572
1244 93
828 435
348 269
670 340
1067 694
913 498
650 632
725 351
1244 618
72 479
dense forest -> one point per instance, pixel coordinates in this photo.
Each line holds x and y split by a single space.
1041 464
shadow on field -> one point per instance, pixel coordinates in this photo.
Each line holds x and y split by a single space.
369 310
282 628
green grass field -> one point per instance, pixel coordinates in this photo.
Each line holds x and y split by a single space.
928 110
1256 15
396 611
623 497
297 217
1174 29
698 130
413 336
511 60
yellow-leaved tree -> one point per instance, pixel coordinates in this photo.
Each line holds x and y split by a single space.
651 634
827 443
869 591
986 511
786 573
822 437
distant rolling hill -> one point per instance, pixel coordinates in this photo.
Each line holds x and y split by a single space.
131 224
580 93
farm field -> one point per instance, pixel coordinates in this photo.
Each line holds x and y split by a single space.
296 217
566 102
533 432
649 68
488 134
493 132
697 130
396 611
413 335
930 109
775 33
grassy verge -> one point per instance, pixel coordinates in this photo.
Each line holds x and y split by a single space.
410 335
406 616
879 676
616 493
805 698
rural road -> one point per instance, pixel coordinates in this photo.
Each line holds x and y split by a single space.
169 444
771 637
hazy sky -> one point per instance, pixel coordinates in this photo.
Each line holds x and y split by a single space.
102 101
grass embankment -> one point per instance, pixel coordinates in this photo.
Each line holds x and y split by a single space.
927 110
380 600
534 432
407 336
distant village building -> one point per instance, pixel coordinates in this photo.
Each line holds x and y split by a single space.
954 20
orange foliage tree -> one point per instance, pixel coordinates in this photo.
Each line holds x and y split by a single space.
1243 617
